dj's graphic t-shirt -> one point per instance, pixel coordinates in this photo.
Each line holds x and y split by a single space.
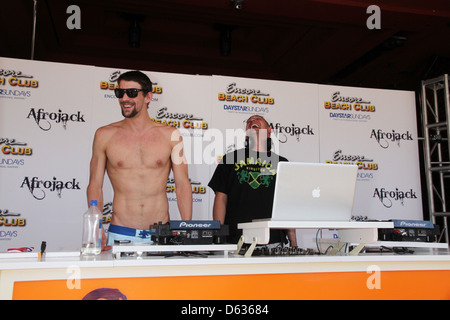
248 178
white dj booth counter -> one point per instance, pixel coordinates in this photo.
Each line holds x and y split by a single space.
361 233
221 273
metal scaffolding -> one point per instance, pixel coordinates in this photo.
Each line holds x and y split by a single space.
435 101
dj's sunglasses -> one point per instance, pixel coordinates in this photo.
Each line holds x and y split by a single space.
131 93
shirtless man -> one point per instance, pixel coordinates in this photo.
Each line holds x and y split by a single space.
138 155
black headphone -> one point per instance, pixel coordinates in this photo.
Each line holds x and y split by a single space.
250 143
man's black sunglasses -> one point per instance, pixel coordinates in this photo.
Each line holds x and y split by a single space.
131 93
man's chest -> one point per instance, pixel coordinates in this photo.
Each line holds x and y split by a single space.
144 151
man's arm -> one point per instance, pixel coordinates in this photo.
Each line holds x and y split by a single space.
292 236
220 207
97 171
96 175
183 187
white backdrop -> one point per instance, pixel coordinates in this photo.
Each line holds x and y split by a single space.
47 108
50 111
380 136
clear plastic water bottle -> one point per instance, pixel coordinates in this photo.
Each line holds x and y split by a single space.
92 230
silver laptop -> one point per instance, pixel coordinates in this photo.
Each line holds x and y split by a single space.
314 192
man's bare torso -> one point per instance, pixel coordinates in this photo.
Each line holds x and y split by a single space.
138 165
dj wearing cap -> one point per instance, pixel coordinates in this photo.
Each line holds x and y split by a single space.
244 183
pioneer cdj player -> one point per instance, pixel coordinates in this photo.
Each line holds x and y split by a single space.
188 232
410 230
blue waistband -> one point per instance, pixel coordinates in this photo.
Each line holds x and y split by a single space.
129 231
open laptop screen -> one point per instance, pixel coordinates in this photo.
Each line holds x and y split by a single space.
314 192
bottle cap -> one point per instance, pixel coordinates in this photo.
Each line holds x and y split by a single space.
93 202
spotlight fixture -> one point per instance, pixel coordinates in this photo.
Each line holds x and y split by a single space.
134 31
237 4
134 34
225 42
224 39
394 42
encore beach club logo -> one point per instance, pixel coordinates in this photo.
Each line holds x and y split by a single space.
366 165
184 120
10 224
11 219
111 83
236 97
198 190
16 85
13 153
349 108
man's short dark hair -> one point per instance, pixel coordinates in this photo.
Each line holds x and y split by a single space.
139 77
